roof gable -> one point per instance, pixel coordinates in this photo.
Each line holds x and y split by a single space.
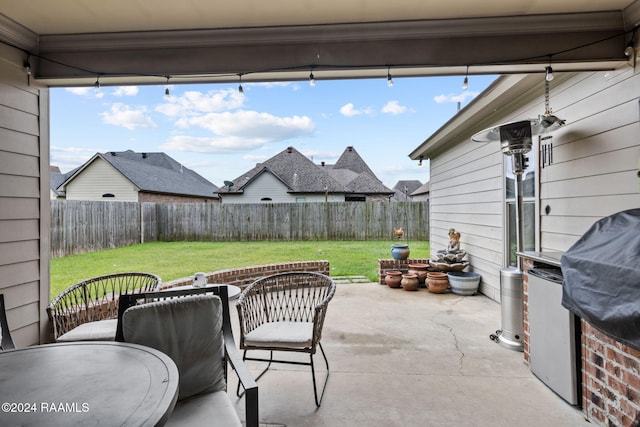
295 170
154 173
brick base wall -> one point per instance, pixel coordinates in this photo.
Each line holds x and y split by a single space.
385 265
610 380
244 276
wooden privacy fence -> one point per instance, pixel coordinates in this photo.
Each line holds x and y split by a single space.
84 226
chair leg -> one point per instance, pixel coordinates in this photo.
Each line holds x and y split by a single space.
244 357
313 374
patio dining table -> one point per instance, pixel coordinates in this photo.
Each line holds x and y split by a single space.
87 383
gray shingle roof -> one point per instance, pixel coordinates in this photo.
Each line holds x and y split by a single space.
399 190
350 174
158 173
295 170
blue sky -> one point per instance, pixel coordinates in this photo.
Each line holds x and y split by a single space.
221 133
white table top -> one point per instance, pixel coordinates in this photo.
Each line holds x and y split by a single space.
87 383
233 291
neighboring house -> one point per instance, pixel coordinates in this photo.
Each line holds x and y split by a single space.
404 189
592 171
290 177
56 178
136 177
421 194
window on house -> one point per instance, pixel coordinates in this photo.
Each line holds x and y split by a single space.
105 195
301 199
529 205
355 199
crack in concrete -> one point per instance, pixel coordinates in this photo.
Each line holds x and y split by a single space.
457 346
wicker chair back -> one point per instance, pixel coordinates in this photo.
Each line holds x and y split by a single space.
95 299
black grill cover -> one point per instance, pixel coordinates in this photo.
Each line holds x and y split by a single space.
602 277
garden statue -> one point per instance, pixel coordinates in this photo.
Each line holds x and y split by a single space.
450 259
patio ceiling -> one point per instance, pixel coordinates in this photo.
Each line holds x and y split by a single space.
145 41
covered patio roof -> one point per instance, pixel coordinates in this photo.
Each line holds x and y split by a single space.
72 42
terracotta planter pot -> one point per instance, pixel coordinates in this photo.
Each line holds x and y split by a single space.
419 270
437 282
410 282
393 278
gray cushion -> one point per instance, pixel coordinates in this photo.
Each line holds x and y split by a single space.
281 334
212 409
101 330
189 330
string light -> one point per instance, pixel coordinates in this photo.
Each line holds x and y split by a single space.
629 52
240 89
548 74
166 89
27 66
389 79
465 83
420 161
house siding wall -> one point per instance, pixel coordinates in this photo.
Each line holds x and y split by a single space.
99 178
267 185
23 215
467 194
595 156
594 172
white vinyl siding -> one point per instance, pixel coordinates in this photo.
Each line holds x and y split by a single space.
268 186
595 156
467 194
593 174
100 178
23 215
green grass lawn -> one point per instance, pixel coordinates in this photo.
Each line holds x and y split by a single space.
173 260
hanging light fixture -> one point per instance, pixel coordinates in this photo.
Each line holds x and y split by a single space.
166 88
630 50
548 74
312 79
27 66
389 79
240 89
96 85
465 83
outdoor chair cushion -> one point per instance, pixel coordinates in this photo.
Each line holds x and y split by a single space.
281 334
211 409
189 330
100 330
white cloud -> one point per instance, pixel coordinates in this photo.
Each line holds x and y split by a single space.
128 117
89 92
394 107
349 110
211 144
462 97
253 125
194 102
238 131
126 91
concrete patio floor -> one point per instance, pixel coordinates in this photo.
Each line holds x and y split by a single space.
400 358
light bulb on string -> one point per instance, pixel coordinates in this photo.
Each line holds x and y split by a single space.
27 66
312 79
96 85
167 93
549 74
240 89
465 83
389 79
